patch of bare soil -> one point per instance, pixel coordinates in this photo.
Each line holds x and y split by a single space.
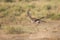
14 36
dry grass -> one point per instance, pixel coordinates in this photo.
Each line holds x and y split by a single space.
16 13
14 19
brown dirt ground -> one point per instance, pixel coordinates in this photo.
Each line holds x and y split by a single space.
47 31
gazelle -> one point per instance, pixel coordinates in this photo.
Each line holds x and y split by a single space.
35 20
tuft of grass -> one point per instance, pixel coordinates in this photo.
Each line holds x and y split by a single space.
5 13
18 29
2 9
32 6
17 14
56 17
10 0
48 7
0 26
49 0
13 30
50 15
27 0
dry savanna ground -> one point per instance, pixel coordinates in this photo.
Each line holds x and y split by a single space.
16 25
